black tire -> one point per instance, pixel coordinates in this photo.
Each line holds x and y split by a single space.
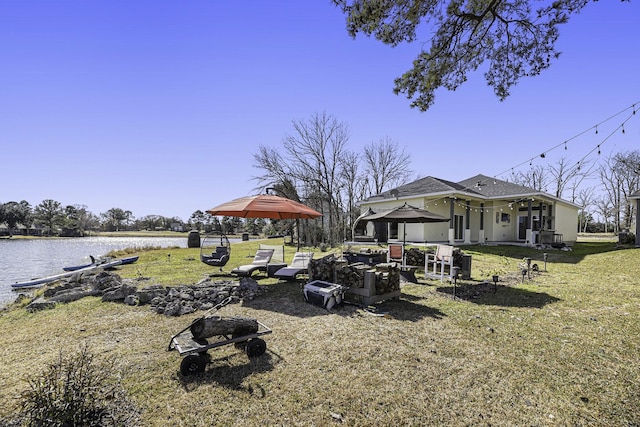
241 345
193 364
256 347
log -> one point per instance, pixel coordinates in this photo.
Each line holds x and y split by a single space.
235 326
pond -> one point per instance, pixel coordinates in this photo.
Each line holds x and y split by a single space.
25 259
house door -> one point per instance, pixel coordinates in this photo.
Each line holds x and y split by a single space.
523 225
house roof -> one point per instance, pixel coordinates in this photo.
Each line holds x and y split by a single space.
480 186
423 186
635 195
496 188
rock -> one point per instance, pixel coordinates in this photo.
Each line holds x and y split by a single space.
119 293
74 294
149 293
40 304
132 300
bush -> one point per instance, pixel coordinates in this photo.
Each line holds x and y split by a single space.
77 391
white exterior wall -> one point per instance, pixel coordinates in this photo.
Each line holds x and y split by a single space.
566 222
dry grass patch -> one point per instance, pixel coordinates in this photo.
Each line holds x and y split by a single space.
559 349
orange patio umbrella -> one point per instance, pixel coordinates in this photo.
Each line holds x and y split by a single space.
265 206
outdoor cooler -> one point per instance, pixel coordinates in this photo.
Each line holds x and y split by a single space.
324 294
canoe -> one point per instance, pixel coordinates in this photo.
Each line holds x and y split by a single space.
43 280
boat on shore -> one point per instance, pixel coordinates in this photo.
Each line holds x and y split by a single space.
81 269
101 262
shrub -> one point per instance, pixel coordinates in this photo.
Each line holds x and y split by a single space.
75 390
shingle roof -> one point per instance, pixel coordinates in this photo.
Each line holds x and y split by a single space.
491 187
427 185
480 185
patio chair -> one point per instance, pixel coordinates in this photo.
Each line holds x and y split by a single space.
299 265
259 263
395 253
443 257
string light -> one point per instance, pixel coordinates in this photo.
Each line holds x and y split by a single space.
564 143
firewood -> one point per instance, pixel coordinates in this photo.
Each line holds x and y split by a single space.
211 326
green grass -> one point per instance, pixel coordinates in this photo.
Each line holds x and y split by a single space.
559 349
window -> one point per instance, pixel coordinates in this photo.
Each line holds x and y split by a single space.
458 226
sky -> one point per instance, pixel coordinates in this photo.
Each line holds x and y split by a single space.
157 107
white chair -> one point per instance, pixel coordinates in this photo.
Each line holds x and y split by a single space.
443 257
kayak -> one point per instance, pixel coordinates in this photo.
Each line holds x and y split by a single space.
101 262
81 269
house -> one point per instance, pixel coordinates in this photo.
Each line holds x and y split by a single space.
636 196
481 209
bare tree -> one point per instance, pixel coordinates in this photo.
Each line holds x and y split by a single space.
385 164
317 147
536 177
564 175
619 177
585 199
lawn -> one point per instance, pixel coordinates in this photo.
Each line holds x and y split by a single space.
560 348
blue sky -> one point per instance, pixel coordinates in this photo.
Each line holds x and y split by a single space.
157 107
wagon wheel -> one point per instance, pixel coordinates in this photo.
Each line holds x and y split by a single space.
239 344
193 364
256 347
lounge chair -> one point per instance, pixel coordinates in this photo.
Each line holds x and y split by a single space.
299 265
259 263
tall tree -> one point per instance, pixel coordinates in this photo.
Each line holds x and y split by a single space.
14 213
115 218
49 213
620 177
316 147
515 38
385 164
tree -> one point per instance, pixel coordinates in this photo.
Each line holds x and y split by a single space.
536 177
14 213
115 218
49 213
316 148
516 40
385 164
619 178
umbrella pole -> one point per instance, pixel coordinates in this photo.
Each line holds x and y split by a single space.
298 232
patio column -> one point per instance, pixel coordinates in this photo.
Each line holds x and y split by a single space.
452 233
467 226
529 223
481 231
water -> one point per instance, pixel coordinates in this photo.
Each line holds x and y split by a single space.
25 259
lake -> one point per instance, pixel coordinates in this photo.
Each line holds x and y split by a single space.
25 259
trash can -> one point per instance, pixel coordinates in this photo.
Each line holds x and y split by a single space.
193 241
465 267
245 237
